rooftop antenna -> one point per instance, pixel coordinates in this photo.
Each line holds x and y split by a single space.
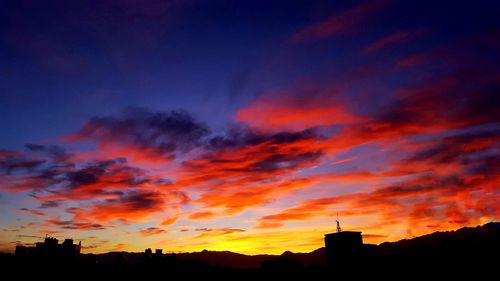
339 229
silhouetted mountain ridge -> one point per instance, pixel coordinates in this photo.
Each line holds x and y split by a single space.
457 243
480 240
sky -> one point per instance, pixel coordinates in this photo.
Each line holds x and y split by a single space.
248 126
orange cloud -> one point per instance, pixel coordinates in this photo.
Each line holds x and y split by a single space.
169 221
201 215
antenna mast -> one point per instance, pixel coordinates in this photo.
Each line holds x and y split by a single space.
338 224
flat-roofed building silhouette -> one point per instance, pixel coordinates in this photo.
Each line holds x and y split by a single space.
343 246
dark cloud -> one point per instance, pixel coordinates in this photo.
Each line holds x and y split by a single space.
152 231
271 156
56 181
140 200
420 186
215 232
50 204
457 100
482 106
58 153
12 161
466 147
29 236
130 206
80 225
160 133
284 161
32 212
241 135
107 171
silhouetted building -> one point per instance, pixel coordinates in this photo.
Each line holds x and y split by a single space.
343 247
50 248
67 248
21 251
159 252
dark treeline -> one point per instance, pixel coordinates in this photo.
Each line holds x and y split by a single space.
466 252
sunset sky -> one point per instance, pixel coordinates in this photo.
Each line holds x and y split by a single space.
246 125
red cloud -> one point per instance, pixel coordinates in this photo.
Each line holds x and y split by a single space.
294 115
414 60
343 22
390 39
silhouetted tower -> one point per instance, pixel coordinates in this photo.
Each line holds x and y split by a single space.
338 224
343 247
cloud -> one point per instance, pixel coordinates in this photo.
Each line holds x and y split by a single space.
216 232
415 108
56 152
304 106
201 215
455 183
245 168
32 212
342 22
74 225
169 221
13 161
105 190
131 206
390 39
143 136
119 247
50 204
414 60
459 148
55 181
152 231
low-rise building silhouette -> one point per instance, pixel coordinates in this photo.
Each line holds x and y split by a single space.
343 246
148 253
50 248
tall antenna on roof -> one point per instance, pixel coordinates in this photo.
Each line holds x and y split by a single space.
339 229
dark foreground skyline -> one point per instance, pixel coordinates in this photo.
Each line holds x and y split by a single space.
469 250
246 125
